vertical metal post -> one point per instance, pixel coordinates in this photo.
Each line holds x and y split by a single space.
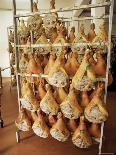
31 5
32 33
16 52
107 69
8 28
32 38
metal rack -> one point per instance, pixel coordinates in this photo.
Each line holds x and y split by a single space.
12 65
110 4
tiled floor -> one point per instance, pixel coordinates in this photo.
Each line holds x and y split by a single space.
33 145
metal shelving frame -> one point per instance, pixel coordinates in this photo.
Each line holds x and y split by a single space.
11 65
110 4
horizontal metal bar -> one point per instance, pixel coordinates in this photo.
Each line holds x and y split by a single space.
33 45
65 9
5 68
10 9
93 5
43 45
46 76
33 75
86 18
100 79
62 45
82 18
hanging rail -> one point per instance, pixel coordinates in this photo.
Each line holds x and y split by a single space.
86 18
63 45
82 18
46 76
16 52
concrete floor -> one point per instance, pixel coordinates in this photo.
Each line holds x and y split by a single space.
33 145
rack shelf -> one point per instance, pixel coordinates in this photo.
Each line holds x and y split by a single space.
85 18
63 45
46 76
33 75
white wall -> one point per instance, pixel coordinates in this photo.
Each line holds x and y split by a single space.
6 19
43 4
